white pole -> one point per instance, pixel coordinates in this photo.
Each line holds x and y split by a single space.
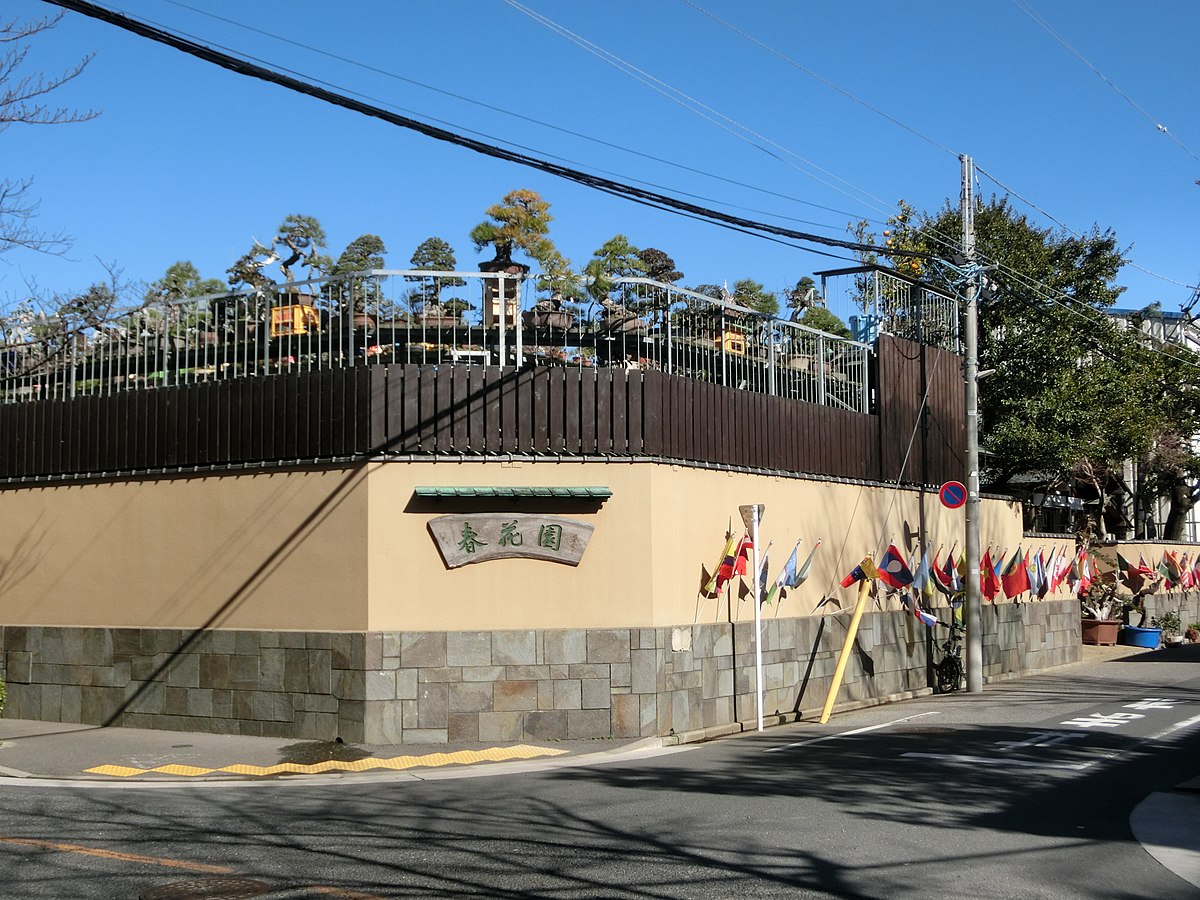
758 663
751 515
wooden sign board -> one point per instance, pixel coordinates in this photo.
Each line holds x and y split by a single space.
479 537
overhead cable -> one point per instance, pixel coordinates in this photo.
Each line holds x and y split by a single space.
1158 126
706 112
521 116
825 81
643 196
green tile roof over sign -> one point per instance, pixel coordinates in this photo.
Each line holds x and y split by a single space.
561 493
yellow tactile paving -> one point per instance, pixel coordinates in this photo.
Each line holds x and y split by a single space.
460 757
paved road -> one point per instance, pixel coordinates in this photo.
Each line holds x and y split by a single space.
1026 791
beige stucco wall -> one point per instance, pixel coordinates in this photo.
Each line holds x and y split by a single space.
277 550
344 550
661 528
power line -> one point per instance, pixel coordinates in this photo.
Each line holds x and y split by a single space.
825 81
1158 126
697 107
615 188
1071 230
524 118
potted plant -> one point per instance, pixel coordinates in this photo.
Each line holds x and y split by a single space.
1100 607
1193 633
1170 624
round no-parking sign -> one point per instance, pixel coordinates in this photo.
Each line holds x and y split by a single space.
953 494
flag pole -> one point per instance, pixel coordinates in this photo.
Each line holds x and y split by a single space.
864 591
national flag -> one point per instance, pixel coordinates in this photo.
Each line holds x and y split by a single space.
1176 569
989 584
1085 572
1125 568
893 570
1061 567
1143 567
729 563
1043 576
801 575
1169 569
922 582
1075 569
940 580
863 571
712 585
762 572
998 564
1052 569
954 572
1186 579
1036 573
923 617
1015 578
745 548
791 576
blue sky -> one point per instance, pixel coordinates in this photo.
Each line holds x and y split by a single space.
187 161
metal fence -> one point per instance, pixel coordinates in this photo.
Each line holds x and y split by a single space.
427 318
895 304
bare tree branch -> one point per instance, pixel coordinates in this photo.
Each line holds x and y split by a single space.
22 95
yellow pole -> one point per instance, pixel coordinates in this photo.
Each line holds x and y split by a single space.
864 591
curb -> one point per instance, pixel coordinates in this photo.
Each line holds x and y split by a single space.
714 732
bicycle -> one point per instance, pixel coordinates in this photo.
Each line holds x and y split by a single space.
949 669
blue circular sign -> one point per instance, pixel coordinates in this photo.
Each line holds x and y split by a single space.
953 494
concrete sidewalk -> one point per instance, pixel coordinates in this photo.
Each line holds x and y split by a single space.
50 750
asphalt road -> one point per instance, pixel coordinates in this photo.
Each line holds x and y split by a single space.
1025 791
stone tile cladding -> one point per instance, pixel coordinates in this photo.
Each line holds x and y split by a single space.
481 686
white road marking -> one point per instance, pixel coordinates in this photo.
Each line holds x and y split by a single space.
1178 726
1002 761
1102 720
842 734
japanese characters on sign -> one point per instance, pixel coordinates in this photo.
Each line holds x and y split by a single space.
478 537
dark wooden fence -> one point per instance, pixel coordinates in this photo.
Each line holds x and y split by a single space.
488 411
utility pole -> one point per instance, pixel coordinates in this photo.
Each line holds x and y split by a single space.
972 605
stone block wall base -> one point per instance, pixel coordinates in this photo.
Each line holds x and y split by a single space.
498 686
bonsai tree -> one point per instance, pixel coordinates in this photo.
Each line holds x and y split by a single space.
820 318
363 253
181 281
521 221
1103 600
616 258
659 266
300 240
435 255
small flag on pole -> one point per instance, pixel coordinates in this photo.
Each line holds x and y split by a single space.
713 585
923 617
893 570
863 571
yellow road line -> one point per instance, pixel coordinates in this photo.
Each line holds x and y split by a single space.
124 857
396 763
342 893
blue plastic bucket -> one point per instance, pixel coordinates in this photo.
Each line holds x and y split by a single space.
1140 637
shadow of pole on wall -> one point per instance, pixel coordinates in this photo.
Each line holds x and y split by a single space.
812 658
276 558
